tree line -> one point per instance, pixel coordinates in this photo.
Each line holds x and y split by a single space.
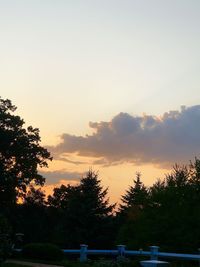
166 214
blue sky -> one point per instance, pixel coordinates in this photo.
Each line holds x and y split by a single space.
68 63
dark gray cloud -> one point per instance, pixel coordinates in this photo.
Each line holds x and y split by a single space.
64 158
54 177
173 137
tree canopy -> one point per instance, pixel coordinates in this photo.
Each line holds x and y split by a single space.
136 195
20 155
171 217
85 211
166 214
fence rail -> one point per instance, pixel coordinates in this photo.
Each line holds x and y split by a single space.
154 253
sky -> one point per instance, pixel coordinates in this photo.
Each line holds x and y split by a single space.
112 85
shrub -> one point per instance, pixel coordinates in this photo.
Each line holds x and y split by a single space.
5 242
118 262
43 251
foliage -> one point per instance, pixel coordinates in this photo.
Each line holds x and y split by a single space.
77 263
43 251
20 155
133 204
118 262
166 214
34 197
172 217
86 216
5 242
136 195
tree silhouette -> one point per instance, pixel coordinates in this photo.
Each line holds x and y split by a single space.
84 212
20 155
136 195
171 217
35 197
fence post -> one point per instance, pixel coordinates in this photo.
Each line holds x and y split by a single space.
83 253
154 252
121 250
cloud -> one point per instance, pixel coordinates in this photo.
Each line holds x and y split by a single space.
64 158
173 137
54 177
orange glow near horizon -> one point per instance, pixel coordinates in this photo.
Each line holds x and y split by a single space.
117 178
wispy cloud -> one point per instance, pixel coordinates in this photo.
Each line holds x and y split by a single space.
54 177
172 137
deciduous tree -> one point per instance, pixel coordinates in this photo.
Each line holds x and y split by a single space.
20 155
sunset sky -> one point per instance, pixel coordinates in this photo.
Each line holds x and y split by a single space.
112 85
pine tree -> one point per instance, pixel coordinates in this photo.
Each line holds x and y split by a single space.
94 196
95 212
85 212
136 195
